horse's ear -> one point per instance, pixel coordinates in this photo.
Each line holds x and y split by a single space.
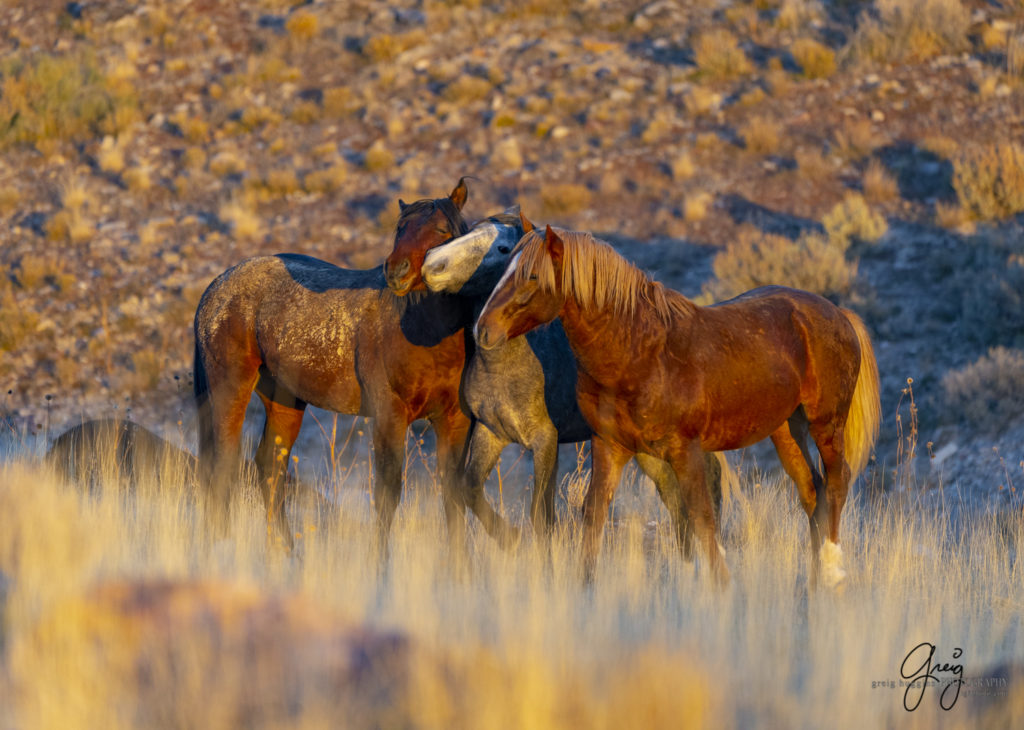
514 210
554 245
527 226
402 205
459 194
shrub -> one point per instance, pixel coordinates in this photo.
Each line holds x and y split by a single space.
327 180
60 98
878 184
695 207
563 199
911 30
989 180
302 26
797 14
466 89
378 157
817 61
812 163
245 222
857 138
761 135
758 259
989 392
719 56
853 220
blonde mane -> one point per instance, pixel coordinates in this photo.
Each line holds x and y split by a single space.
596 276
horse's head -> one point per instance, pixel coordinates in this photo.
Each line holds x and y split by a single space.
473 263
529 293
422 226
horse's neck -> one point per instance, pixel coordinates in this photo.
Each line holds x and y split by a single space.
430 318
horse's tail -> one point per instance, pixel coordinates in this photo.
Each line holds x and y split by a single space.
204 417
865 408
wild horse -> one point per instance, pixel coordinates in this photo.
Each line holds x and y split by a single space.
524 390
662 376
301 331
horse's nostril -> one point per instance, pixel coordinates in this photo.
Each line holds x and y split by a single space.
402 269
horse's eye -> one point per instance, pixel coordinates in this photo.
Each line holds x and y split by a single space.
443 229
504 249
533 277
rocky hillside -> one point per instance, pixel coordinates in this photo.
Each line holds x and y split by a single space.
861 149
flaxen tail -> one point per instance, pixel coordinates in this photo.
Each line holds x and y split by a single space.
866 408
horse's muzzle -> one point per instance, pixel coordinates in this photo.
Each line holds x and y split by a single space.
398 277
487 339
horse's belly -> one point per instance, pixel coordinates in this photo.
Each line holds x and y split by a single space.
321 376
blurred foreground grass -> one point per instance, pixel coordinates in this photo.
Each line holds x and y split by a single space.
121 612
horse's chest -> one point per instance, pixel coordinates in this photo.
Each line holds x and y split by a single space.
506 394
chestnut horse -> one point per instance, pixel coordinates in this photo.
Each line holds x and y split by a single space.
525 390
663 376
300 331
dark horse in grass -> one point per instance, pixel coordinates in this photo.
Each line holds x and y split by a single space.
524 391
301 331
662 376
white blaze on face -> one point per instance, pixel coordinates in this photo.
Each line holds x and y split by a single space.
448 267
509 271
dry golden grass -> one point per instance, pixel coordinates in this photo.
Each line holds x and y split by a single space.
857 138
817 61
851 220
989 180
990 391
561 199
812 163
911 30
762 135
121 611
878 184
49 99
755 259
719 56
378 157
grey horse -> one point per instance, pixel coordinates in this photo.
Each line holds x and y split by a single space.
524 391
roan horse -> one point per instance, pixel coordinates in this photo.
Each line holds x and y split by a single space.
663 376
524 390
302 331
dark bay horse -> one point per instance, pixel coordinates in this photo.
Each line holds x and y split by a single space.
663 376
524 390
301 331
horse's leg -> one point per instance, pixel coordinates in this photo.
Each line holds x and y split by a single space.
607 459
482 453
828 437
665 481
689 462
388 454
284 419
790 442
545 474
451 430
228 399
